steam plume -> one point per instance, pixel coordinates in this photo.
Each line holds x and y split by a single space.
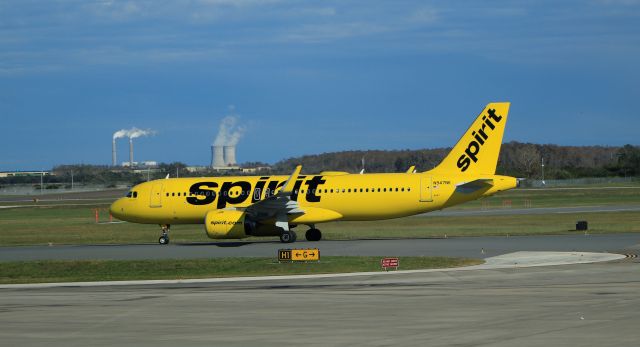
135 132
120 133
229 133
132 133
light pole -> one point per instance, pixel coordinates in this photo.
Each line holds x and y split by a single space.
542 165
41 182
71 179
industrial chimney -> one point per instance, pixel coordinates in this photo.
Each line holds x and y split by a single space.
114 161
230 155
217 156
130 151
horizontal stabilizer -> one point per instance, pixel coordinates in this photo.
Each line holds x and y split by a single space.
475 185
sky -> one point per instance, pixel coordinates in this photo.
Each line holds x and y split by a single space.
308 77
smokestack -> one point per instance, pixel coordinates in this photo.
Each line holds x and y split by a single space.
131 151
230 155
114 161
217 156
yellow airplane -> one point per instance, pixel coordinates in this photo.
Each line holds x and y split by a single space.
242 206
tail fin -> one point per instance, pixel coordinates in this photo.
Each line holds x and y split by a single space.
478 149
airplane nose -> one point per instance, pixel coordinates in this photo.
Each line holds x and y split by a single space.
117 209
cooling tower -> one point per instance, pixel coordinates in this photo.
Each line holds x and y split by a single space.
217 156
230 155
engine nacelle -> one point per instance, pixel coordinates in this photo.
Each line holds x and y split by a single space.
225 224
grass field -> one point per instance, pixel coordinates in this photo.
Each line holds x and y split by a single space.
69 223
75 271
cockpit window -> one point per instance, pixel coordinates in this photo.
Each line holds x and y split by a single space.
129 194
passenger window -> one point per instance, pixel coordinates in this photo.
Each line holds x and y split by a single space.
167 194
331 190
173 194
135 194
367 190
349 190
378 190
360 190
402 189
408 189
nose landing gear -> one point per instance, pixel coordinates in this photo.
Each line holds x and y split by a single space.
164 239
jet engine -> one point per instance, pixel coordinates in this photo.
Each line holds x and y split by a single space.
226 224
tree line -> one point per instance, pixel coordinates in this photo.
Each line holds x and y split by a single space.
516 159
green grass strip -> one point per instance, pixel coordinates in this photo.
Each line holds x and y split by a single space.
116 270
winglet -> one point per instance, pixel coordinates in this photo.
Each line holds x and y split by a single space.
412 169
288 187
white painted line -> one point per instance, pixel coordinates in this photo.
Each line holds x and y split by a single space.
506 261
597 211
36 205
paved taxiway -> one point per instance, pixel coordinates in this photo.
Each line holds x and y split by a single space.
573 305
471 247
533 211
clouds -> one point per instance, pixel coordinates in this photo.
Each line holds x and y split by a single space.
37 38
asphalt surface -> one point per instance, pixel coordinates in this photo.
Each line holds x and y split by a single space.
470 247
571 305
534 211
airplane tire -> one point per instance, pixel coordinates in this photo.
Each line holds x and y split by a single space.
163 240
313 234
288 237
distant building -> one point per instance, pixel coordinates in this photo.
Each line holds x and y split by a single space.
256 169
24 173
151 163
193 169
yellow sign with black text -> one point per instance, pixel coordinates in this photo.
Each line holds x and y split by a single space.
311 254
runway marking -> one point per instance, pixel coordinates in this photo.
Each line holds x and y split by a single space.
505 261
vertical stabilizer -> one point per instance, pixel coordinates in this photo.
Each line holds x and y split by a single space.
478 150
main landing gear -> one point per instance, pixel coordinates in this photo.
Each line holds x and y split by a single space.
313 234
164 239
288 236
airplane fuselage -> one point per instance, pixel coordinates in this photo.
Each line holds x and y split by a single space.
351 197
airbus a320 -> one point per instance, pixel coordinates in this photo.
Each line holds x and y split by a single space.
243 206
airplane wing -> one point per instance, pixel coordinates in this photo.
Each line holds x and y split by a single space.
278 204
475 185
